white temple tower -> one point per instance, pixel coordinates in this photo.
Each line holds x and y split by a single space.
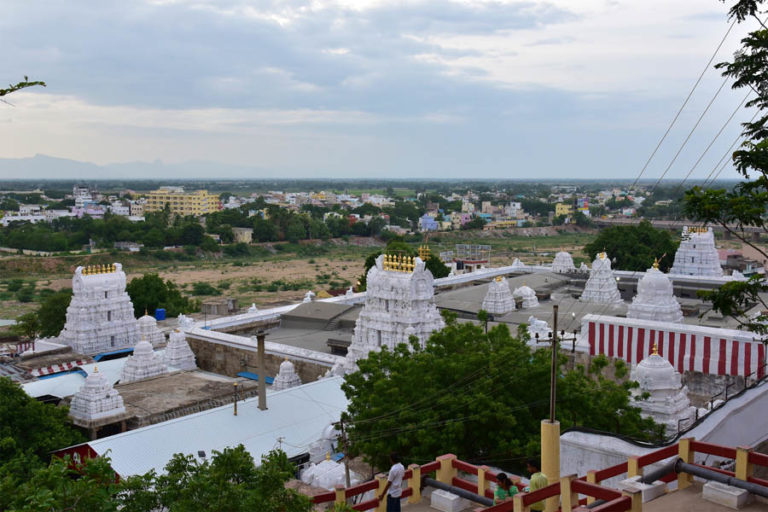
498 300
148 330
655 299
528 295
143 364
287 377
601 286
697 255
177 352
398 304
96 400
563 263
668 403
100 315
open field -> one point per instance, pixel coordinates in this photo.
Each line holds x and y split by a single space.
277 277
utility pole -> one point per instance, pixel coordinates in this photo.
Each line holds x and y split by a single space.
345 444
553 372
234 395
262 371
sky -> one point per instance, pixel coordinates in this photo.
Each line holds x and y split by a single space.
366 88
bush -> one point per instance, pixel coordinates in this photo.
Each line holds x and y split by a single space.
25 294
200 288
15 285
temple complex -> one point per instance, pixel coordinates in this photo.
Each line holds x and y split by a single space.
528 296
498 300
143 364
97 400
668 403
100 315
177 352
148 330
697 255
655 299
601 286
563 263
286 377
399 303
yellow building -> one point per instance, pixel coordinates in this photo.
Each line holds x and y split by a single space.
563 209
195 203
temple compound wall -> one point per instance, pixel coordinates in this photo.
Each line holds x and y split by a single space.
228 354
687 347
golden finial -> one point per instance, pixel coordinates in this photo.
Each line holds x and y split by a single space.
498 279
656 263
413 263
655 350
95 368
327 455
146 313
84 271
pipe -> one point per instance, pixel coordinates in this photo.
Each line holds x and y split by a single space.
262 370
457 491
670 467
684 467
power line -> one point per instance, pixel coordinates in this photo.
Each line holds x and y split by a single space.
695 85
685 142
727 153
713 141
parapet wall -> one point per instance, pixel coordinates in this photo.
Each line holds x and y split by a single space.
691 348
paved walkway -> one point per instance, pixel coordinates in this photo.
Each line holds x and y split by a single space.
690 500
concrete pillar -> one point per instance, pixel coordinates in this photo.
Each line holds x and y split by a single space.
482 483
727 235
340 495
382 478
633 467
517 504
756 236
636 495
446 472
550 457
262 371
592 479
744 468
569 499
684 452
415 484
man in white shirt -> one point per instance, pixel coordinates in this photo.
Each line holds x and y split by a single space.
394 488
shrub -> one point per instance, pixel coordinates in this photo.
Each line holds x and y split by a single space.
200 288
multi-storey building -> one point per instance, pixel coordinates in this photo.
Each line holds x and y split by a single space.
195 203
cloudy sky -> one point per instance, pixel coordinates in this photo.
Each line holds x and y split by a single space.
368 88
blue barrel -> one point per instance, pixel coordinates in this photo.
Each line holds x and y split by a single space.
160 314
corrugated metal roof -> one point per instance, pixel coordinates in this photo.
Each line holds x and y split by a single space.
298 415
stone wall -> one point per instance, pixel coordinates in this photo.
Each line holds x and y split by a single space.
228 360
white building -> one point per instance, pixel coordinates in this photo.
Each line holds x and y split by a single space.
498 300
563 263
655 299
143 364
697 255
601 286
100 315
96 400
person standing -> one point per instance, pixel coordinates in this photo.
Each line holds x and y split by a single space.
394 488
538 481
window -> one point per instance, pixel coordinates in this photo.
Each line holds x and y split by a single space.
106 295
109 316
112 341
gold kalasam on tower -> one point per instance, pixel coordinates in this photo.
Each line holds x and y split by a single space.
424 252
398 263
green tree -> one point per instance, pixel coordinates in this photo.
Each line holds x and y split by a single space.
436 266
480 396
52 313
295 230
476 223
634 247
27 325
20 85
743 207
150 292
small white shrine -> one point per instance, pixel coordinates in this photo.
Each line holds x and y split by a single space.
253 308
697 255
399 303
309 296
668 403
143 364
287 377
100 315
540 327
518 264
328 474
601 286
655 299
563 263
498 300
177 352
96 400
528 296
583 267
148 330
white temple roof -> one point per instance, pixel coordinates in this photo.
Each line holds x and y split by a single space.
298 415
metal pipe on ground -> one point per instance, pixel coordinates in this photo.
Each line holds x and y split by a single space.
684 467
457 491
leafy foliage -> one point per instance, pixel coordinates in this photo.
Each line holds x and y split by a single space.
634 247
479 396
745 205
20 85
150 292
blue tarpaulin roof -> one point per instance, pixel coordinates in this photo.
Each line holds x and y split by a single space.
99 357
255 376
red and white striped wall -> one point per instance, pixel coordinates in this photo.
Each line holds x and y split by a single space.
58 368
687 347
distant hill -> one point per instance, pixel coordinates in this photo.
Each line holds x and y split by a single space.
48 168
